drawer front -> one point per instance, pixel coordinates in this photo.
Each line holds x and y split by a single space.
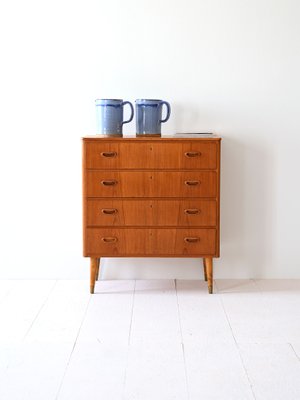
150 242
182 242
114 242
151 184
112 212
151 155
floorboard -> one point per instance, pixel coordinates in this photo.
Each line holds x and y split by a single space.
98 363
214 366
248 312
273 369
38 362
156 365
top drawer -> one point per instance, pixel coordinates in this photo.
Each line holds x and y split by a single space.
150 155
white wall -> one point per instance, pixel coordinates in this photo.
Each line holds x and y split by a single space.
228 66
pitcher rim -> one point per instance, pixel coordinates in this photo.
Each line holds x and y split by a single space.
148 100
109 100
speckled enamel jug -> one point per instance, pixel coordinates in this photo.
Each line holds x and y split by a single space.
109 113
149 116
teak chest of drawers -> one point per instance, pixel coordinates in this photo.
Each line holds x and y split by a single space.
151 197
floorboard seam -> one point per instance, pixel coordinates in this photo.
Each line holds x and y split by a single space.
294 351
73 348
238 349
182 344
128 342
39 311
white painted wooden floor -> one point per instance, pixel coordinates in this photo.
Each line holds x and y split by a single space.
150 340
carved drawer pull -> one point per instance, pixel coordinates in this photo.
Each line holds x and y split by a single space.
191 239
109 239
192 183
192 211
109 211
109 183
192 154
109 154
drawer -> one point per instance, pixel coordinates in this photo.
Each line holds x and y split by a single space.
183 242
110 212
114 242
150 242
151 155
150 184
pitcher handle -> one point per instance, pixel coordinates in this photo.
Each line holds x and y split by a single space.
131 116
168 111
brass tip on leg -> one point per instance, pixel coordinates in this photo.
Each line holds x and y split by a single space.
92 289
210 289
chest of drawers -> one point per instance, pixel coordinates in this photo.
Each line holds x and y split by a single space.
151 197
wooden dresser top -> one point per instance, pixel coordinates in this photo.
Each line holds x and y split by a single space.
177 136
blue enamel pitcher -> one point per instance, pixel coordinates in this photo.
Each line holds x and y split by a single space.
109 113
149 116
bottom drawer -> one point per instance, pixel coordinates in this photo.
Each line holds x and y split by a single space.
150 242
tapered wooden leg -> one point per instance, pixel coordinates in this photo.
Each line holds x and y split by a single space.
204 269
209 271
93 271
97 270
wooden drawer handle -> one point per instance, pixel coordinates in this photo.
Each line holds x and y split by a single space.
191 211
109 183
109 211
109 154
191 154
192 183
191 239
109 239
